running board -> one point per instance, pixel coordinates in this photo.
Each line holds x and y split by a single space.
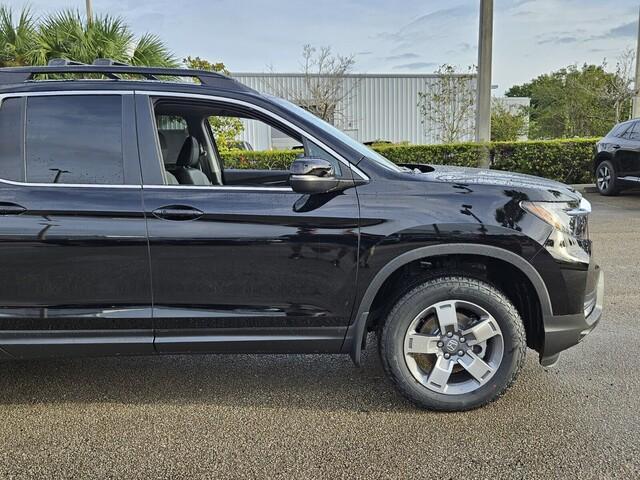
630 179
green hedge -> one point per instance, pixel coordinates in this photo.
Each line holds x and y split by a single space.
568 161
271 160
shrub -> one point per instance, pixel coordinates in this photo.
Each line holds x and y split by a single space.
460 154
567 161
507 124
271 160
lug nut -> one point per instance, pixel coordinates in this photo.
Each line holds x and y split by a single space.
450 334
462 339
440 344
447 356
460 352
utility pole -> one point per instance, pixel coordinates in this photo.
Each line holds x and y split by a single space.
636 96
89 12
483 104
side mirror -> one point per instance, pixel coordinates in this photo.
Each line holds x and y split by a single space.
312 175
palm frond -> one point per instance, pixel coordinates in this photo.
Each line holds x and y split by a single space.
151 51
16 39
68 34
110 37
62 35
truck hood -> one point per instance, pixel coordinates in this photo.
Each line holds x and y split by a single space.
545 189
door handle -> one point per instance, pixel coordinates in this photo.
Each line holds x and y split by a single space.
11 209
177 213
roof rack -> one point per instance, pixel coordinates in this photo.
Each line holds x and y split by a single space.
58 62
113 70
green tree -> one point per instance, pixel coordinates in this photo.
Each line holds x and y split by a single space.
507 125
197 63
226 130
17 37
447 108
68 34
571 102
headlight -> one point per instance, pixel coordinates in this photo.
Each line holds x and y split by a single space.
567 217
569 240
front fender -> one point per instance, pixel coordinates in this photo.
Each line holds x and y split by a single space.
357 330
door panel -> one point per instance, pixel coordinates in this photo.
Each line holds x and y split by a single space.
263 270
75 259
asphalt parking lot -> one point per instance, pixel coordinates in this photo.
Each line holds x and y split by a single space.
319 416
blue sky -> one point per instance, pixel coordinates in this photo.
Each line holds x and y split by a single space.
531 36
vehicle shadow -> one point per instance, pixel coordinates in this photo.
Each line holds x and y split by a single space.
319 382
631 192
303 382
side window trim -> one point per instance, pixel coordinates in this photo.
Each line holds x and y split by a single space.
216 166
12 122
131 163
156 143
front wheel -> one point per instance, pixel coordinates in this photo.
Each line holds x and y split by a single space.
607 179
453 343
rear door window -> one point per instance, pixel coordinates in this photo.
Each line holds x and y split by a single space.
74 139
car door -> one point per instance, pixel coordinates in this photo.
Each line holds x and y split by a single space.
74 263
246 267
627 152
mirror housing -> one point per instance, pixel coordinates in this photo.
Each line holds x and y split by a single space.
312 175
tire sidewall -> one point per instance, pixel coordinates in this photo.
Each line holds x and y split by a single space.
392 341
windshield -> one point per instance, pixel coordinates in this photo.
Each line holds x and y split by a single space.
340 135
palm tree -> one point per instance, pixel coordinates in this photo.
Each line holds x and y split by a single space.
68 35
17 39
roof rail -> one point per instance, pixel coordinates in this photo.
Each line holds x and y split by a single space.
114 70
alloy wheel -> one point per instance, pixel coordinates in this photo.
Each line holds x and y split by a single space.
603 177
453 347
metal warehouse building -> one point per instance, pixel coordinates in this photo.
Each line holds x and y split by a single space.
377 106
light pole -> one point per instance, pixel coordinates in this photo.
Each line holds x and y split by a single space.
636 95
89 11
483 105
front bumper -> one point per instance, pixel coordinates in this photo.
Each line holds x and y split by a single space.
564 331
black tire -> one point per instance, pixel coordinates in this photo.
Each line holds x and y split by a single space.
607 181
392 338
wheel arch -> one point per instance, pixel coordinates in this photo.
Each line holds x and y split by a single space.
601 157
357 332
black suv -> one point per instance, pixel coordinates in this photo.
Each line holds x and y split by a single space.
617 162
122 232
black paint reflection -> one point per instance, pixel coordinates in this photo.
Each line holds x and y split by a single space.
511 213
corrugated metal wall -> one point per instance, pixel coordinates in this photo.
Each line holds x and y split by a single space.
376 106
